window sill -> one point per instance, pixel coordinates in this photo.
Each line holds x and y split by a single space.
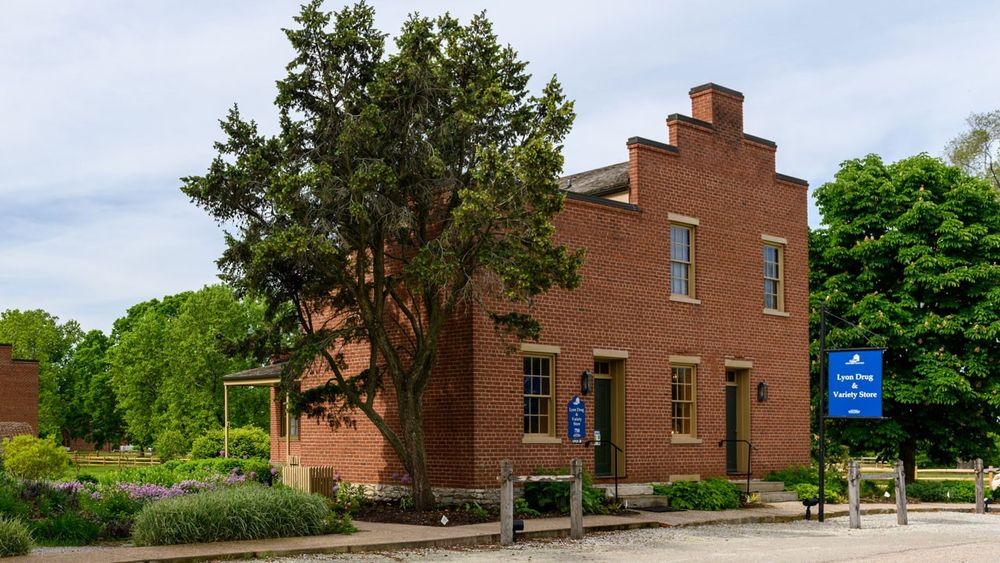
684 299
535 439
684 440
776 313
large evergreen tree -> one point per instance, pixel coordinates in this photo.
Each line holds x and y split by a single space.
400 185
909 253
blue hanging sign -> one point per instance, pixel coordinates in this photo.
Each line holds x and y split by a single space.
854 383
576 411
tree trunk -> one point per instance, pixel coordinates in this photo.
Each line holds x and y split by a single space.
908 453
411 419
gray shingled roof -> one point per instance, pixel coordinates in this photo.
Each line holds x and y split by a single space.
599 181
273 370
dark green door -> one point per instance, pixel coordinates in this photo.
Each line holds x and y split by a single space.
731 434
602 424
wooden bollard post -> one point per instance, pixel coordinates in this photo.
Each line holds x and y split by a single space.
854 494
576 500
901 518
980 496
506 502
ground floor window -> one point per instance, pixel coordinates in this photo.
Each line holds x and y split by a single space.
682 386
287 426
539 418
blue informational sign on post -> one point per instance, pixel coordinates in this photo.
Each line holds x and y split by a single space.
576 412
854 383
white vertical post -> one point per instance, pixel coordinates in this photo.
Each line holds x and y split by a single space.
576 500
506 502
225 420
901 518
980 496
288 431
853 494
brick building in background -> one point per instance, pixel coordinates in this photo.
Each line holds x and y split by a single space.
18 392
691 322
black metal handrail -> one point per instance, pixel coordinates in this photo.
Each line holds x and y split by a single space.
618 450
750 449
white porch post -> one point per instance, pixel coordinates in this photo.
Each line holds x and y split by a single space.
225 423
288 431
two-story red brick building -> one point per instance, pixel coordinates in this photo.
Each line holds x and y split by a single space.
18 394
691 318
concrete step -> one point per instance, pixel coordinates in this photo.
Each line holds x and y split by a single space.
757 486
625 489
642 501
778 496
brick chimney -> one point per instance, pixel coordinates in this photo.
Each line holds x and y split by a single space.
719 106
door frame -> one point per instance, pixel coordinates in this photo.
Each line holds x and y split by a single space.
616 373
739 377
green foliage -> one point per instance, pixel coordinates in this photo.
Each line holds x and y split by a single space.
400 179
909 254
237 513
349 497
553 496
15 539
977 150
246 442
522 508
114 510
477 511
91 414
710 494
65 528
173 472
941 491
167 360
795 476
37 335
27 457
170 444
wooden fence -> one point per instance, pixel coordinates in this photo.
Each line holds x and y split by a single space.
310 479
117 459
871 464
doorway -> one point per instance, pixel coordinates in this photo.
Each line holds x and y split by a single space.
737 420
609 416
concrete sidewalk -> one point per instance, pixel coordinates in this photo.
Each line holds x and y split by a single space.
373 536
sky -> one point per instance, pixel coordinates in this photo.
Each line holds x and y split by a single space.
105 105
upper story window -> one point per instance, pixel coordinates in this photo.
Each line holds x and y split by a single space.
774 273
682 258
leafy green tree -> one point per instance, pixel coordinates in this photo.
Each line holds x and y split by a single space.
37 335
909 253
977 150
400 186
167 361
92 413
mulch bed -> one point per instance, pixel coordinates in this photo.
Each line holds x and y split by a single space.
390 512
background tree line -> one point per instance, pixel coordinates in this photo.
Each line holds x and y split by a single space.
156 380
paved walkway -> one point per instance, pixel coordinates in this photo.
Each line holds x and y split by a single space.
372 536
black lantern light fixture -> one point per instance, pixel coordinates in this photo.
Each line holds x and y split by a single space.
586 379
761 391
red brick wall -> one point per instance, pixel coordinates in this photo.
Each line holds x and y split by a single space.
728 183
19 385
474 406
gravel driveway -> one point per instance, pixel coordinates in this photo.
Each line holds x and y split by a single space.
930 536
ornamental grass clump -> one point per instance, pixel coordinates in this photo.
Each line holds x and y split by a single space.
237 513
14 537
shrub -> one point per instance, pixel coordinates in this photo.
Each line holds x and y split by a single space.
836 486
237 513
65 528
804 490
246 442
171 444
28 457
553 496
942 491
710 494
176 471
114 509
14 537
